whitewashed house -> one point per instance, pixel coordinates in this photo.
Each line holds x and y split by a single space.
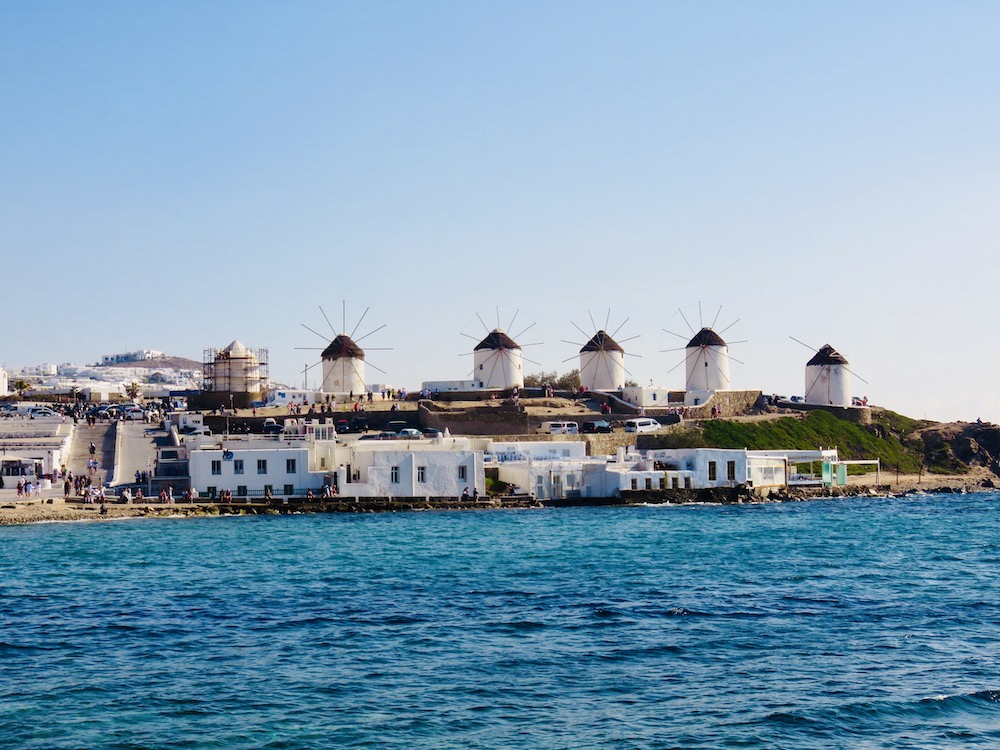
308 457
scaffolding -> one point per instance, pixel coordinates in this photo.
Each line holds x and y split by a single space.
235 369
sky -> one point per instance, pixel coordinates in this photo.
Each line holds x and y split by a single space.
179 175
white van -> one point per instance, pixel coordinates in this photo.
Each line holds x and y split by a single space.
642 424
559 428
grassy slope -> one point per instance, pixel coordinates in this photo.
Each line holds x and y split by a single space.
885 440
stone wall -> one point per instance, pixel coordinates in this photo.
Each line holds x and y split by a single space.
855 414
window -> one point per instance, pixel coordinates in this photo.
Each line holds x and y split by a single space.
421 474
731 471
462 474
322 462
712 474
289 465
663 483
687 483
262 466
238 466
649 483
289 489
241 490
216 467
674 484
268 490
635 483
394 475
211 492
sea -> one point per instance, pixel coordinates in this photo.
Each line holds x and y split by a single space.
841 623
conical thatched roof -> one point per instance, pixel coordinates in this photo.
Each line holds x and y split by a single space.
497 339
343 347
827 355
602 342
706 337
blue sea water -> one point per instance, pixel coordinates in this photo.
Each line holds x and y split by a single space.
855 623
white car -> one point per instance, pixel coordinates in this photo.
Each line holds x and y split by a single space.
642 424
41 411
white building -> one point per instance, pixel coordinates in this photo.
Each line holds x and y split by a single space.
602 364
579 476
716 467
307 457
451 386
706 361
136 356
286 396
648 397
497 362
828 380
4 383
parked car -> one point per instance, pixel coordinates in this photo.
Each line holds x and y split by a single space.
642 424
409 433
431 432
596 425
559 428
41 411
396 426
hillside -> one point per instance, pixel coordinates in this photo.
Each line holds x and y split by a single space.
900 443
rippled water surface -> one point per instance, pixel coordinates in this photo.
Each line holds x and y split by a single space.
848 623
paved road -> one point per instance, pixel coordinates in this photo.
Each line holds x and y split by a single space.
138 449
102 435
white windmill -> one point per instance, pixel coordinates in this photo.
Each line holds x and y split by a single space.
706 360
602 358
828 377
343 359
498 359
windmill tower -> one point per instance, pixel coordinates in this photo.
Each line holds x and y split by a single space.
602 359
342 358
497 361
828 379
706 366
706 360
602 364
343 366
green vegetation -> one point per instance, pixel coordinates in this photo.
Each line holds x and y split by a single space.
567 382
820 428
20 386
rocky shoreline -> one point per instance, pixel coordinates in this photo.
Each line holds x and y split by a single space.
15 511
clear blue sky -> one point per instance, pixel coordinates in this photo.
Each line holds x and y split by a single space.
178 175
